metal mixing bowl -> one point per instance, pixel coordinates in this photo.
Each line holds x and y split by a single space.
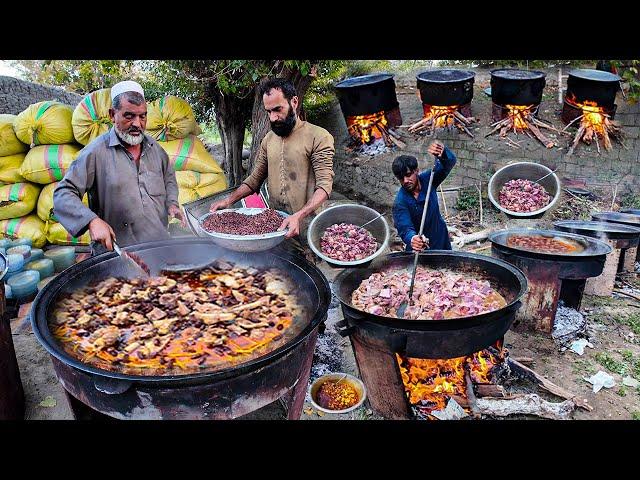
526 171
348 213
243 243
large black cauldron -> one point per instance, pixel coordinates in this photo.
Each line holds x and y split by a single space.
225 393
593 85
517 87
367 94
446 87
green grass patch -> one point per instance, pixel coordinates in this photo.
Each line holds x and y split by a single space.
467 199
635 415
622 391
627 356
633 322
630 200
610 363
583 367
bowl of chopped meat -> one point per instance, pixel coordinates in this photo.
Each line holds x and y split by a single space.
520 191
244 229
336 235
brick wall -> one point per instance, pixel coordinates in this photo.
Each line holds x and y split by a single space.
370 178
16 95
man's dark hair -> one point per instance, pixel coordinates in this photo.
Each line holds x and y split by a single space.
403 165
282 84
133 97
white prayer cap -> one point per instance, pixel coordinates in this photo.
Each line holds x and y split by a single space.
126 86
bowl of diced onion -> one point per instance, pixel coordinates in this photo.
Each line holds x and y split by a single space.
334 235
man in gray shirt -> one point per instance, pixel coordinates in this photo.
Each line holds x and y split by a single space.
130 183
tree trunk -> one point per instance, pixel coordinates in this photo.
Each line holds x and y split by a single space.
260 125
231 116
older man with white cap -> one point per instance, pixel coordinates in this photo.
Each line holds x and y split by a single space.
129 180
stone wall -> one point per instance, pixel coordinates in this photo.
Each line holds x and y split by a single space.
16 95
371 179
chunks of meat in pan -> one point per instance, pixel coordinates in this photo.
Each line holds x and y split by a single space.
437 295
180 322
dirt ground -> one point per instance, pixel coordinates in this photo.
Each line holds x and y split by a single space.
613 330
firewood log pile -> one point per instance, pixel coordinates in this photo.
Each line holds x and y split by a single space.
523 120
442 118
595 126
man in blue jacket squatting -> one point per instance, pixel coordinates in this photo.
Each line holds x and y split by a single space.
409 202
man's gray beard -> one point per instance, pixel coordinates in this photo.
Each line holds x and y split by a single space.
129 139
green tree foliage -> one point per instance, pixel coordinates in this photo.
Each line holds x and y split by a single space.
79 76
629 70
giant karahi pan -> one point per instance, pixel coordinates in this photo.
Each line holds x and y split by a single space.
429 337
214 391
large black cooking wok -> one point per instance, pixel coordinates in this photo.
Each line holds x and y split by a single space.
437 338
177 396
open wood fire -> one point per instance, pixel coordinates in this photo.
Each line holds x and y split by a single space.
367 129
595 124
473 382
442 117
521 119
430 383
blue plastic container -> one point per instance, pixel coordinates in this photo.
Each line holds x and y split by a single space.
15 263
22 241
63 257
24 250
36 254
6 243
24 284
44 267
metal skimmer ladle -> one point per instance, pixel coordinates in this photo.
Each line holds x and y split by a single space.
403 305
137 261
541 178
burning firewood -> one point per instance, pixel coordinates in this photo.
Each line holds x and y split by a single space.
520 118
365 129
595 124
442 117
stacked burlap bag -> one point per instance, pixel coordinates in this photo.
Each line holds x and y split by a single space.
171 121
91 117
46 127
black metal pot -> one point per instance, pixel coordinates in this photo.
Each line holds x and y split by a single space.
224 393
367 94
593 85
446 87
449 338
517 87
585 264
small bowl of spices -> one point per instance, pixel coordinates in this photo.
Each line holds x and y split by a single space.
337 393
